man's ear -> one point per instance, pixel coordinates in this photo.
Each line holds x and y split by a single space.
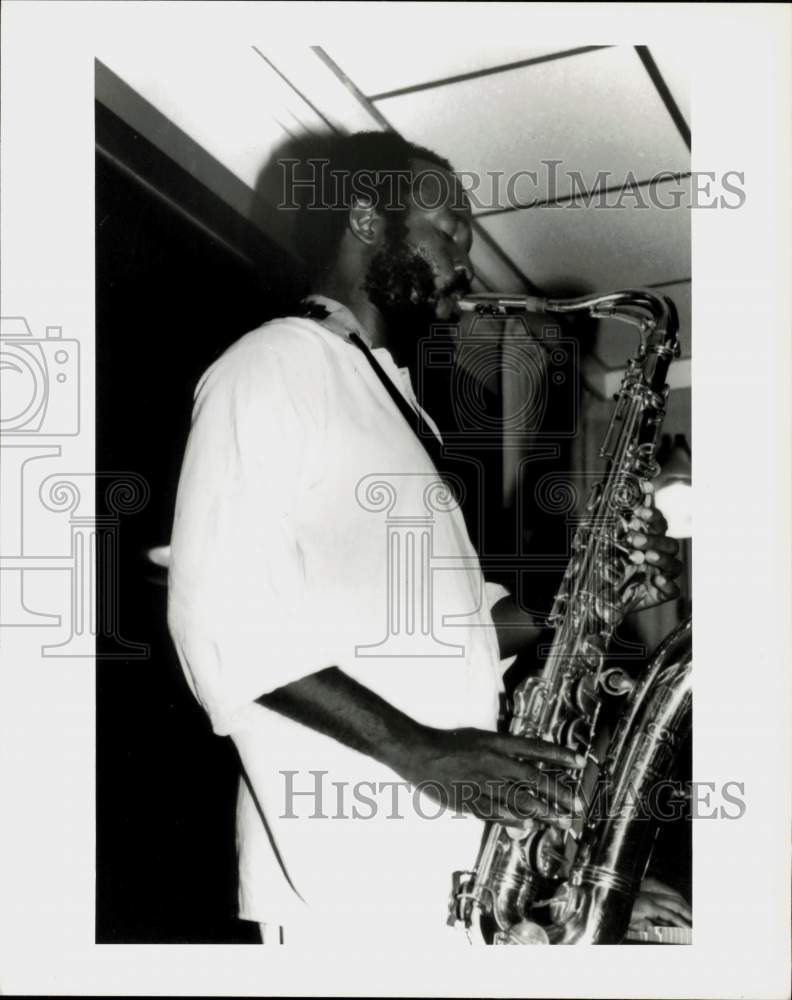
365 222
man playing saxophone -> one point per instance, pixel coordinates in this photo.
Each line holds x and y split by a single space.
279 573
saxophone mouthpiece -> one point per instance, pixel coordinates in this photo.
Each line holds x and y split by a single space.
494 304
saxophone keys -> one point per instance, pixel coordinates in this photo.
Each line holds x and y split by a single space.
573 733
616 681
544 852
594 497
594 653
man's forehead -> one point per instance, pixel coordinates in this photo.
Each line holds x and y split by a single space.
435 187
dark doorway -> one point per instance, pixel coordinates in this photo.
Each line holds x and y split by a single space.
178 277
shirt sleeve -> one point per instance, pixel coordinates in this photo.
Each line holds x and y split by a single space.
496 592
237 574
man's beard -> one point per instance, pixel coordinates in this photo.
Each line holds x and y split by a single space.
400 283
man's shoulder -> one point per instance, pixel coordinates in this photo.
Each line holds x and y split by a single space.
286 337
290 347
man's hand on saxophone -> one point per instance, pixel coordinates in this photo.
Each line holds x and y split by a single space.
652 566
490 775
494 775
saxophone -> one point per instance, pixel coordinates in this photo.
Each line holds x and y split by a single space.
539 884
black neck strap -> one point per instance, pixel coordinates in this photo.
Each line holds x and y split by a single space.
421 429
432 445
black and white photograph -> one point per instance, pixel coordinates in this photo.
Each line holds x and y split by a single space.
351 524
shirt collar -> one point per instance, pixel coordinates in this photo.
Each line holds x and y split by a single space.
342 321
339 319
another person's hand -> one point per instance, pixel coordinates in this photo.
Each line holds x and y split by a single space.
659 904
493 775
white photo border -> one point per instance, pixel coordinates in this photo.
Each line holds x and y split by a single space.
741 419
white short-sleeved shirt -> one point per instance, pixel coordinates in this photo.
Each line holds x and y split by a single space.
312 530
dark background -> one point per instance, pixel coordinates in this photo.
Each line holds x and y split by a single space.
180 276
170 296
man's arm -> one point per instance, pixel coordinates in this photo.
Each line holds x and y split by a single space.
470 769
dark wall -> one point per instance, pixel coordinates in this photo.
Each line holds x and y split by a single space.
169 299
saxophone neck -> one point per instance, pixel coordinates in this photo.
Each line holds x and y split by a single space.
655 315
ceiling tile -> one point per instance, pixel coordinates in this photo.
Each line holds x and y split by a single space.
674 66
373 73
569 249
598 111
492 270
312 77
239 109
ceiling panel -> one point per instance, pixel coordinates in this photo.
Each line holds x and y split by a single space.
598 111
375 72
492 270
594 111
674 66
312 77
238 109
573 250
